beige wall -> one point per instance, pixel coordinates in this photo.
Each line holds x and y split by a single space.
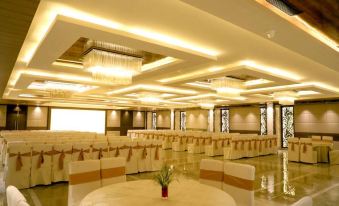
113 118
149 120
3 113
197 119
164 119
138 119
317 118
245 118
37 117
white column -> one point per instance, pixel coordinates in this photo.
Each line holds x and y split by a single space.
270 118
172 119
211 120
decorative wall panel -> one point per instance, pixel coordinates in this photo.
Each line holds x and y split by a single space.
263 120
183 121
225 120
287 124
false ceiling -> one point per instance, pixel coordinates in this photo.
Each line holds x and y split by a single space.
185 44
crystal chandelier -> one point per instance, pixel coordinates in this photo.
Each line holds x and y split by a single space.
59 93
226 86
285 97
111 63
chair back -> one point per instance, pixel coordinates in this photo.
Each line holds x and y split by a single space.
112 170
99 150
305 201
239 182
17 164
84 177
14 196
212 172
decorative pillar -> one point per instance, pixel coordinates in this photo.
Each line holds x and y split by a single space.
172 119
211 120
270 118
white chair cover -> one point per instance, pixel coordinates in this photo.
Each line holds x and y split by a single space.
14 196
334 157
305 201
41 169
112 170
100 150
307 154
61 158
239 182
129 152
293 149
143 152
81 151
212 172
84 177
156 155
18 164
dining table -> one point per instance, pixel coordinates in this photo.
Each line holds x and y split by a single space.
148 193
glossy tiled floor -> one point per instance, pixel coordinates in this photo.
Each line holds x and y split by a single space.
278 182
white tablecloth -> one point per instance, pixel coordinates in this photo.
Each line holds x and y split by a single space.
148 193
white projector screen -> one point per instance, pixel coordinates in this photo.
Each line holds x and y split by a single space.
78 120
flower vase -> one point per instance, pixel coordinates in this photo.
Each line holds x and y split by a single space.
164 193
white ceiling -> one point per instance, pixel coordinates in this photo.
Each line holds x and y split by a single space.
209 38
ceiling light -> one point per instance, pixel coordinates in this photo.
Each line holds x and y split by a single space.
111 63
307 92
285 97
256 82
206 105
227 86
150 99
159 63
200 84
27 95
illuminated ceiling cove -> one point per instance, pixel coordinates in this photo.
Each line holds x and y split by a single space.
183 54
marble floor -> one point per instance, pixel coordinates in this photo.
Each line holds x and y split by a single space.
278 182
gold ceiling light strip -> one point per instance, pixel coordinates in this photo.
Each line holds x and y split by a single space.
303 25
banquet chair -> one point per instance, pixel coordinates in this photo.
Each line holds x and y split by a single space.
227 148
129 151
212 172
327 139
215 148
293 149
179 145
143 153
17 170
305 201
334 157
239 182
156 155
81 151
195 146
15 197
316 138
307 154
41 169
237 148
62 156
99 150
84 177
112 170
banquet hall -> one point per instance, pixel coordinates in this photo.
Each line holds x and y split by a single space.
172 102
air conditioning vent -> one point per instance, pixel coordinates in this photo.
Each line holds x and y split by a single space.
285 7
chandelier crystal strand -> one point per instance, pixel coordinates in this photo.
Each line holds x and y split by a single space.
227 86
116 66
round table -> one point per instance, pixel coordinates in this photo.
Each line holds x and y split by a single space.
148 193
